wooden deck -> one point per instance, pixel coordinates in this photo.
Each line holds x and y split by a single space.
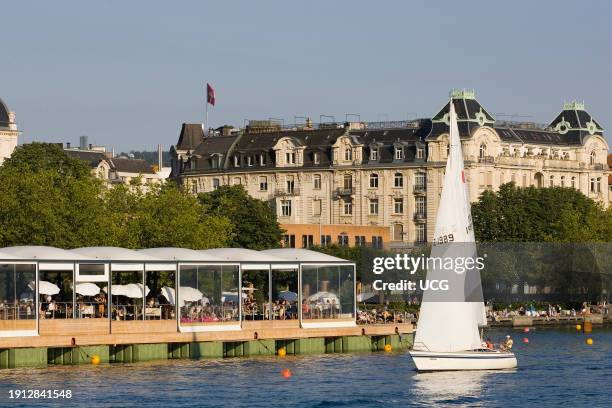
69 332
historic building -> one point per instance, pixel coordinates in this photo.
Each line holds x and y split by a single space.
8 132
379 183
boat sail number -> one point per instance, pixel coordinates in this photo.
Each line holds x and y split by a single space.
443 239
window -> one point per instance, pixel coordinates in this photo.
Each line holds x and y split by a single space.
348 154
421 235
573 182
593 157
214 162
398 180
348 207
420 181
290 158
216 183
286 208
551 183
262 159
307 241
599 184
374 154
316 158
316 207
398 232
398 205
316 180
562 181
482 152
348 182
377 242
343 240
524 180
290 183
249 161
420 206
374 180
592 185
263 183
326 240
360 240
236 161
399 152
420 152
289 241
374 206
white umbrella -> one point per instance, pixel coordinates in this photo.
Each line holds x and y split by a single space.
117 290
324 297
362 297
231 296
134 290
288 296
187 294
48 288
87 289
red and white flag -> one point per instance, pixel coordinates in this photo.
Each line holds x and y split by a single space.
210 94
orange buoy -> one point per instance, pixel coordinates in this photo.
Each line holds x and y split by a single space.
282 352
589 341
286 373
588 327
578 327
526 329
95 359
525 340
388 348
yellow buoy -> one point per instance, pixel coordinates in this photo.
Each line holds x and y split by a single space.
282 352
589 341
388 348
95 359
578 327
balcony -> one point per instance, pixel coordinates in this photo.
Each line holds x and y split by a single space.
486 160
345 191
286 192
420 217
419 189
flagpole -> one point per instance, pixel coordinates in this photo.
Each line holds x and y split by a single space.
206 102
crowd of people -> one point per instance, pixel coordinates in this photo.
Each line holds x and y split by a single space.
382 314
550 312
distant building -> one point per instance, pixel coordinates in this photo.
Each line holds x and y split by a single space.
9 133
380 183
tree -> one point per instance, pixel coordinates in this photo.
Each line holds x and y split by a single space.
36 157
254 221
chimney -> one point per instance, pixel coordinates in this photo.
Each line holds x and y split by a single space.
90 146
67 145
159 157
83 142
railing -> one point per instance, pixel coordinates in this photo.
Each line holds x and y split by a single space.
420 216
365 317
344 191
282 192
17 312
209 314
418 189
487 159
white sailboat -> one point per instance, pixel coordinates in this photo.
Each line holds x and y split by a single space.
447 336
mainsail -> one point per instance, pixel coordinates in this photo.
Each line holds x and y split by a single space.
449 320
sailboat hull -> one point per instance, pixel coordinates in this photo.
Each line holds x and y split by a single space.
464 360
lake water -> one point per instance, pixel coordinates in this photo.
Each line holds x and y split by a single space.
556 368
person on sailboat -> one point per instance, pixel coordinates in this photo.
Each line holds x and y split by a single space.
507 344
489 343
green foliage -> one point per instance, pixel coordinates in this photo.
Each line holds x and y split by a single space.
555 214
48 198
255 225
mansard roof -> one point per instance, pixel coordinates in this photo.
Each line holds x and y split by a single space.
574 120
534 135
191 136
4 117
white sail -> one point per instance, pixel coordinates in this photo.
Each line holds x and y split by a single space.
449 321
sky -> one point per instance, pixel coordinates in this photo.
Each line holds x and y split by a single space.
128 74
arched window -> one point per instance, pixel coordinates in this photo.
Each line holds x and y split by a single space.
562 181
348 154
539 179
552 181
483 151
573 182
373 180
593 157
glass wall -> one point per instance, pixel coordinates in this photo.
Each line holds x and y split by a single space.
328 292
256 294
160 302
209 294
91 299
284 294
17 297
55 289
127 292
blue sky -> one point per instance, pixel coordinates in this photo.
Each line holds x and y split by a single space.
127 74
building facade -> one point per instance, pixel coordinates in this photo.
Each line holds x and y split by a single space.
9 134
379 184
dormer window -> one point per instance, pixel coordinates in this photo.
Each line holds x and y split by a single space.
482 153
236 161
374 154
214 162
348 154
593 157
316 157
420 152
262 159
290 158
399 152
249 161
